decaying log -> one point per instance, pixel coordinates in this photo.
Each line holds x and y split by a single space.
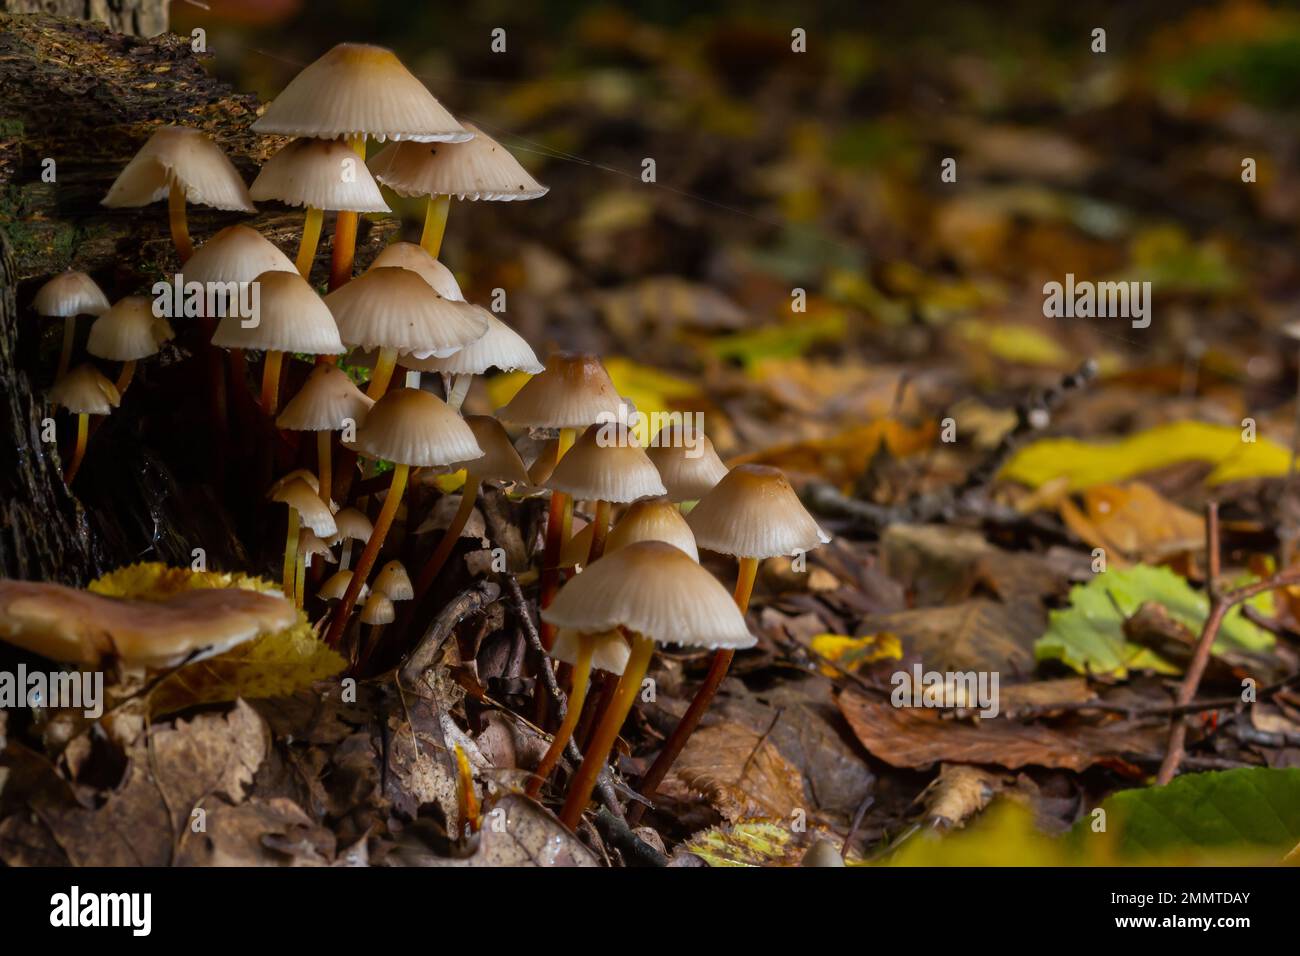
142 18
86 98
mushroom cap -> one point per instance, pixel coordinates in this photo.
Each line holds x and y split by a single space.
78 627
393 308
313 514
311 544
298 474
320 173
411 427
656 519
572 391
336 586
687 478
378 609
185 156
609 653
326 401
357 89
606 464
128 331
352 525
85 391
500 347
236 254
69 293
754 513
480 168
393 582
499 461
413 256
291 318
655 590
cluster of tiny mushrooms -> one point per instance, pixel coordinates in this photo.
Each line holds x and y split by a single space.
629 587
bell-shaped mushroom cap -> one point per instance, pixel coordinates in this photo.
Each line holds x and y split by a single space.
499 461
69 293
411 427
78 627
313 514
413 256
321 173
298 474
606 464
687 463
572 391
378 609
754 513
326 402
609 653
480 168
84 391
128 331
352 525
310 544
291 318
655 520
500 347
655 590
336 585
236 254
393 308
393 582
356 89
186 156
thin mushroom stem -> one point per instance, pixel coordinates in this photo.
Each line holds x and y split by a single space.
346 557
593 761
382 373
456 397
69 339
325 464
271 381
718 668
345 232
581 675
125 376
469 494
311 229
368 555
599 531
299 577
179 224
435 224
550 578
79 451
290 552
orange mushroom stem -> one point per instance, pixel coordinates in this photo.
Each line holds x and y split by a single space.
180 227
581 678
79 451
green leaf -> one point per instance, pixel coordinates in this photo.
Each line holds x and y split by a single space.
1088 636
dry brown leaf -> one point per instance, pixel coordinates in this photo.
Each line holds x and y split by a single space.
1133 522
740 773
958 793
974 635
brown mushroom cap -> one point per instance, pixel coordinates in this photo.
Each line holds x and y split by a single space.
655 590
501 347
378 609
413 256
393 582
298 474
687 478
84 391
78 627
69 293
609 653
310 544
356 89
336 585
754 513
478 169
313 514
573 391
128 331
326 402
320 173
656 519
606 464
291 318
185 156
499 461
393 308
411 427
352 525
236 254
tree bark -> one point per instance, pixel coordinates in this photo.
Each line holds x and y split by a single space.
143 18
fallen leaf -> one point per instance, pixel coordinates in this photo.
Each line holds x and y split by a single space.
978 634
740 773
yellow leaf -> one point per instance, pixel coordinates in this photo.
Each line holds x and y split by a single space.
1021 344
751 843
1094 463
851 653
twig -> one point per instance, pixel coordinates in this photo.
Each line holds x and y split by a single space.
620 835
